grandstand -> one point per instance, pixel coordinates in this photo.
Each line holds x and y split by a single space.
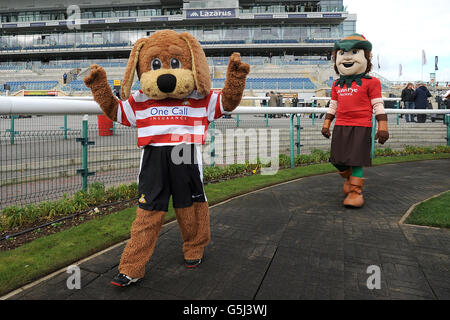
288 43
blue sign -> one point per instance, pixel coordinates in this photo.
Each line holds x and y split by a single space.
160 19
127 20
263 16
96 21
11 25
298 15
210 13
38 24
332 15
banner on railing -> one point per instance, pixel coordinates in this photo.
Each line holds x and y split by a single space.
40 93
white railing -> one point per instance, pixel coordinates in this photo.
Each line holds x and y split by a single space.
85 105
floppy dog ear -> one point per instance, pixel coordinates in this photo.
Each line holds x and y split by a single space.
200 66
131 67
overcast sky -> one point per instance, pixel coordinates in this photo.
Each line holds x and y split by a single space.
400 29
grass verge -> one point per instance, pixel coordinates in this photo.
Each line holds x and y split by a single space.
47 254
434 212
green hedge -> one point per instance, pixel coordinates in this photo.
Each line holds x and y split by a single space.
14 216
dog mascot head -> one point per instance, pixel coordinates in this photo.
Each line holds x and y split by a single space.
168 65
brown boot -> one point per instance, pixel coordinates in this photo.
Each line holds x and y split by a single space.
139 249
346 175
195 229
355 197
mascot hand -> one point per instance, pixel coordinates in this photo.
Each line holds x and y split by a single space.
237 68
326 125
97 76
382 136
326 133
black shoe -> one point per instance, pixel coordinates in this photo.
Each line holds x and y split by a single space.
122 280
192 263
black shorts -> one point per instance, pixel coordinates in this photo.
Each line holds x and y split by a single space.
170 171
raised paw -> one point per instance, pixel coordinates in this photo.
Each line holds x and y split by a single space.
97 75
237 67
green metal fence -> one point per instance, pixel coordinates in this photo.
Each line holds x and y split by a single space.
42 158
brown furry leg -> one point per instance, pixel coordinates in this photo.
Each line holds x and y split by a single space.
195 229
139 249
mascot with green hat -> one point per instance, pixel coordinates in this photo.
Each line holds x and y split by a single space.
355 97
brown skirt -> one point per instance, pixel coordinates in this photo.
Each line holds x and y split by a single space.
351 146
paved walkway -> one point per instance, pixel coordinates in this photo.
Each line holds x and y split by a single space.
295 241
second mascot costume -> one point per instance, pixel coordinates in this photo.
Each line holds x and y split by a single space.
172 112
355 96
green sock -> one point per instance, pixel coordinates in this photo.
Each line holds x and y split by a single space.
357 172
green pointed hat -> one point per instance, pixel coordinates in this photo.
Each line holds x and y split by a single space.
354 41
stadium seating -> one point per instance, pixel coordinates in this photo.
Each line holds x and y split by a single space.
30 85
103 45
272 83
275 41
125 44
321 40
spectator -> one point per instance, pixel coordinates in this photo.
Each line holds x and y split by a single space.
272 101
421 101
408 100
65 77
265 103
295 102
446 99
447 95
287 102
279 102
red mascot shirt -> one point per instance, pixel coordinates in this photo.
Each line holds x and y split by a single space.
355 104
170 121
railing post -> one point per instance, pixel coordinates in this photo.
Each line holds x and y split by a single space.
237 121
374 130
447 116
267 115
84 160
313 116
291 127
12 131
397 105
298 127
212 127
65 127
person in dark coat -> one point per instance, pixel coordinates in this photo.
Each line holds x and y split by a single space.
421 101
408 100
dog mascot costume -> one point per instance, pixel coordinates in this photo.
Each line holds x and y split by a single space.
171 112
355 96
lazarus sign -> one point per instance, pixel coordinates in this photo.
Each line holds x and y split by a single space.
210 13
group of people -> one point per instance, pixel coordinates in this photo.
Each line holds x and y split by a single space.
416 97
277 100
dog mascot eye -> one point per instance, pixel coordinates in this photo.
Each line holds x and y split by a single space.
175 63
156 64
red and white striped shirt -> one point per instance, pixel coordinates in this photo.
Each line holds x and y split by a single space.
170 121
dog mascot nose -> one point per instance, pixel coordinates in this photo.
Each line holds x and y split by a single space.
166 83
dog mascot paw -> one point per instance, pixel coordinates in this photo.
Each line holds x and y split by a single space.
355 97
171 112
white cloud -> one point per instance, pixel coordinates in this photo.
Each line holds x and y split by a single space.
400 29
